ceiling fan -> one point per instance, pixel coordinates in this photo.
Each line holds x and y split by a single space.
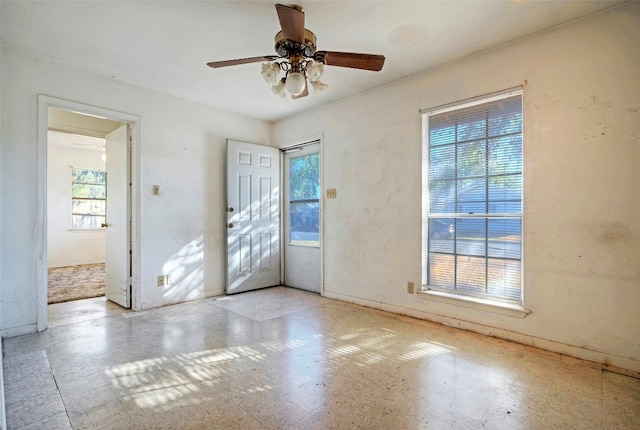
298 59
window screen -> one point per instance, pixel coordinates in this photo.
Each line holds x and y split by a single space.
472 198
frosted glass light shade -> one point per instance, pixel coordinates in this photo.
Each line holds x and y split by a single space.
279 89
318 86
270 72
295 83
314 71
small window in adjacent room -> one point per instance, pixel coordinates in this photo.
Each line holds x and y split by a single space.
472 198
88 198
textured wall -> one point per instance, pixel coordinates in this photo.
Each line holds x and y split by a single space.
182 149
581 151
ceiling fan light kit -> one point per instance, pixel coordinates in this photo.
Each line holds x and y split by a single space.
296 76
298 59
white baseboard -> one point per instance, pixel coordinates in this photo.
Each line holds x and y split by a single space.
608 361
3 410
18 331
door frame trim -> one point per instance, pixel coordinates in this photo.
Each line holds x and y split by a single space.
45 102
283 148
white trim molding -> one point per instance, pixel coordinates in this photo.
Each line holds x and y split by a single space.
482 304
44 103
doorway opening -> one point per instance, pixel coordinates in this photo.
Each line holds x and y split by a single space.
302 224
86 228
76 205
256 233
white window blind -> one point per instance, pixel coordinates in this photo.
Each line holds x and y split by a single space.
472 198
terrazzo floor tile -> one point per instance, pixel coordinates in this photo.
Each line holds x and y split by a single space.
82 310
286 359
55 422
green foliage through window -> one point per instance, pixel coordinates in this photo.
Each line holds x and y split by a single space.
304 200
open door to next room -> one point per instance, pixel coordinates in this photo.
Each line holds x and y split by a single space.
88 199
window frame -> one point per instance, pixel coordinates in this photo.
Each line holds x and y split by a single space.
454 293
74 198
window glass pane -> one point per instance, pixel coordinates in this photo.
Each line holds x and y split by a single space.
505 155
471 236
472 125
442 195
441 235
441 270
304 223
504 279
470 274
505 194
304 177
505 238
505 116
86 221
88 207
304 194
472 159
79 176
442 130
442 162
89 191
472 196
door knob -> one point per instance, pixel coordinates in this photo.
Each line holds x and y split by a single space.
230 225
104 225
229 209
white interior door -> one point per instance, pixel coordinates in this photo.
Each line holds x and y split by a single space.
253 217
302 226
117 235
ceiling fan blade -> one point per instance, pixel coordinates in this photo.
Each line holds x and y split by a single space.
216 64
353 60
292 22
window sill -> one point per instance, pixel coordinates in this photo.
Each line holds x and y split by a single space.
477 303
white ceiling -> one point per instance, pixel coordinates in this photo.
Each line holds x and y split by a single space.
75 141
165 45
78 124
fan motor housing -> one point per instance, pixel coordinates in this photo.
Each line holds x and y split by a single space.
285 47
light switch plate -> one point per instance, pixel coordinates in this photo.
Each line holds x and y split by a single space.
331 193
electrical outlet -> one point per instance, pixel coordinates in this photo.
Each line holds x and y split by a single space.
411 288
331 193
161 281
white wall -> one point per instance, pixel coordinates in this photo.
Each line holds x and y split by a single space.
66 247
182 150
581 156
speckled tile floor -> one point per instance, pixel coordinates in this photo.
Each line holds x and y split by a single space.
286 359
